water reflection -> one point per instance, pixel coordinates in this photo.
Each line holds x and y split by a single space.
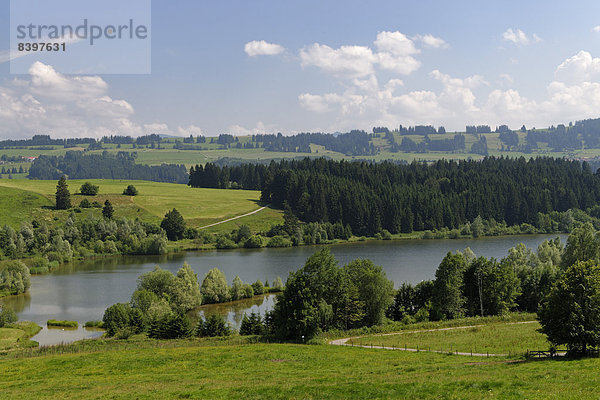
234 311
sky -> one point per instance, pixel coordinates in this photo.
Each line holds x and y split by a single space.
246 67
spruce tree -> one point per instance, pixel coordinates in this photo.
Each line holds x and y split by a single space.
63 196
108 210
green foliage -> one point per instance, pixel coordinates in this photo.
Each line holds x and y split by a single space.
570 314
448 300
258 287
214 287
63 196
252 325
108 210
130 190
63 323
85 203
94 324
39 265
254 242
88 189
187 290
321 296
583 244
173 224
14 277
279 241
375 291
223 242
7 316
171 326
116 317
213 325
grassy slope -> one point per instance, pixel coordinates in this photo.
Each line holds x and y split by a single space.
17 205
290 371
198 206
16 335
495 338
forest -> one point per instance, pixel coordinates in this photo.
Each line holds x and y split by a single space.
122 165
370 197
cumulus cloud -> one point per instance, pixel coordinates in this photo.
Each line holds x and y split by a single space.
262 48
189 130
66 106
432 41
581 67
596 28
392 51
573 94
519 37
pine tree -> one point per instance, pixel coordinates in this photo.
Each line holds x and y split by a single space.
108 210
63 196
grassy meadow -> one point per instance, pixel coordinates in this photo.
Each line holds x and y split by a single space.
289 371
493 338
199 207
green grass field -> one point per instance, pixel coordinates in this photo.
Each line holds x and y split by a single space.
199 207
494 338
15 336
287 371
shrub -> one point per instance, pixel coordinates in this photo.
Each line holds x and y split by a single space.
279 241
171 326
85 203
252 325
386 235
254 242
214 325
7 316
64 323
14 277
130 190
94 324
95 204
116 317
258 287
87 189
39 265
225 243
173 224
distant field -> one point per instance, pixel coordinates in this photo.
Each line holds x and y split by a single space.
198 206
287 371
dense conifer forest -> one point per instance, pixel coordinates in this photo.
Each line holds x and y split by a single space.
402 198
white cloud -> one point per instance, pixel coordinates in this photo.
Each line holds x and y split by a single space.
189 130
573 95
66 106
351 61
519 37
262 48
596 28
581 67
260 128
392 51
431 41
506 78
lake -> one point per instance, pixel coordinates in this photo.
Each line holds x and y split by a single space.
82 290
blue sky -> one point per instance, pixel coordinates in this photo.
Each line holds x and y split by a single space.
326 66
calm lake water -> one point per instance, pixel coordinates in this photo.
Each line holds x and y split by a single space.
81 291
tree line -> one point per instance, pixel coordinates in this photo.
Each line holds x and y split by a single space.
370 197
77 165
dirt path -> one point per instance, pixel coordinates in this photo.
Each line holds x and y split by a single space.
344 341
231 219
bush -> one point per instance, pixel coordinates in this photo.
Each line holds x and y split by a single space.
94 324
7 316
130 190
254 242
85 203
87 189
214 325
173 224
258 287
14 277
386 235
39 265
95 204
279 241
64 324
116 317
225 243
171 326
252 325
